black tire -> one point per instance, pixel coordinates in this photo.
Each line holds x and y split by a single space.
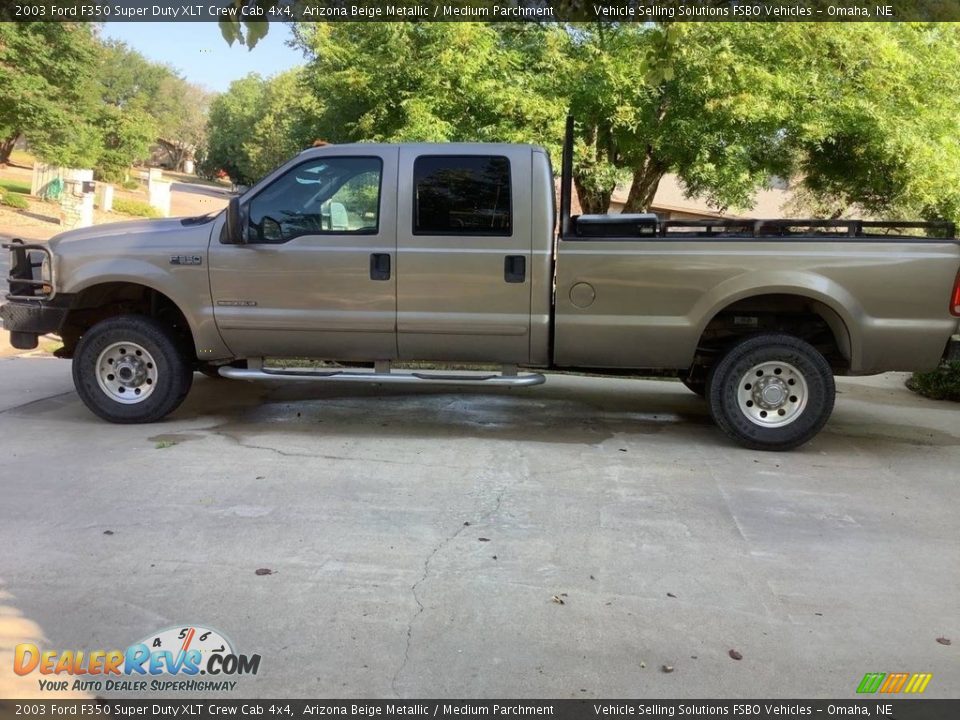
173 373
697 386
732 404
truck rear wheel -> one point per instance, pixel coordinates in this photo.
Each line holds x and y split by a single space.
771 392
129 369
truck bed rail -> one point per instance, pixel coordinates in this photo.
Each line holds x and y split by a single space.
789 227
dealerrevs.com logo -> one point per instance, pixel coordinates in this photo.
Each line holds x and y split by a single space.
170 660
891 683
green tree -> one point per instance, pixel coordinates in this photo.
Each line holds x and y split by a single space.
702 100
429 82
258 124
126 138
47 92
286 125
861 115
880 129
160 106
232 118
181 109
128 84
857 112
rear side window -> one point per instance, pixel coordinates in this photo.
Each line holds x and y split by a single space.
462 195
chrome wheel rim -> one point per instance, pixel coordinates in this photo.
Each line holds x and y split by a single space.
772 394
126 373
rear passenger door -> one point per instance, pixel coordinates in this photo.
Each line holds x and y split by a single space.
464 253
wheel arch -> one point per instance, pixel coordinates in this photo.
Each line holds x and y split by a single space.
790 305
96 301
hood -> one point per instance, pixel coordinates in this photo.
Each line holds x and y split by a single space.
154 229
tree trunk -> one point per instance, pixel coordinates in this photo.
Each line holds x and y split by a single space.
176 151
177 155
6 148
592 201
647 177
643 189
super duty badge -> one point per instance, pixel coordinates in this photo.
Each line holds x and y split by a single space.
186 260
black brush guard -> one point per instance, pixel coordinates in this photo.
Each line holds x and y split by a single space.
24 282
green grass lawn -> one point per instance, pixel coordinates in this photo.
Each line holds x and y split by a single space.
193 179
22 157
15 186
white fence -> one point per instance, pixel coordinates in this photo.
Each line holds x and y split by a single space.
44 175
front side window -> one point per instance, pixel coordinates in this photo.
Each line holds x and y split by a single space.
462 195
325 196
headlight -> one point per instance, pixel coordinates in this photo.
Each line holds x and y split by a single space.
46 276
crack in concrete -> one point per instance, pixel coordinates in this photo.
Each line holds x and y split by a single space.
288 453
34 402
423 577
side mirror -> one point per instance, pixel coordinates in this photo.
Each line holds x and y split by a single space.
271 229
234 230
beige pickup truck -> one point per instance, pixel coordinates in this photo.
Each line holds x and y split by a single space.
376 255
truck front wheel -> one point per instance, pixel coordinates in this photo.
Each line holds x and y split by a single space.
771 392
130 369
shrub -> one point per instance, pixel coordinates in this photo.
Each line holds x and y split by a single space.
130 184
940 384
135 207
15 201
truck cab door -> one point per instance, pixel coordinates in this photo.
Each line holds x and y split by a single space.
315 276
464 253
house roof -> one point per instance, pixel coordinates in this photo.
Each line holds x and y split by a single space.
670 198
768 203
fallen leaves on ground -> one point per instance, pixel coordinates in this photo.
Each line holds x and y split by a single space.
264 571
943 641
735 655
558 600
666 668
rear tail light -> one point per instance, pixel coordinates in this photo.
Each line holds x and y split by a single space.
955 297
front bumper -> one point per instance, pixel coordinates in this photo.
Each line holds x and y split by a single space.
34 308
27 320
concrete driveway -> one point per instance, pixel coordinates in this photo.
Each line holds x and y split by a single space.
419 542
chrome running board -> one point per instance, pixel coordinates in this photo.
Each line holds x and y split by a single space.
510 378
